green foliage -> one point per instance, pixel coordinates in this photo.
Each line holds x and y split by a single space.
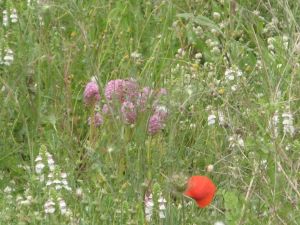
233 207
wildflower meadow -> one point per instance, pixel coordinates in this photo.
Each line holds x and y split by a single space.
149 112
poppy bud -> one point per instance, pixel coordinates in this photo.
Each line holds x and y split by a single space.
201 189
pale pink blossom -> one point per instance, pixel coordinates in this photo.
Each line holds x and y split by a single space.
121 90
129 112
155 124
91 93
98 120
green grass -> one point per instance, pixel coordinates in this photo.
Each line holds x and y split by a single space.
59 45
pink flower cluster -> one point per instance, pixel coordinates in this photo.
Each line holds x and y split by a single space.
130 100
91 93
156 121
121 90
98 119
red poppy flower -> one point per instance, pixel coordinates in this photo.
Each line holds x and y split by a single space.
201 189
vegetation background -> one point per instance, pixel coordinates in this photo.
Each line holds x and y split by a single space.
231 70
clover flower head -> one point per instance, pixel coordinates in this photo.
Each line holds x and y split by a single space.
121 90
98 120
91 93
129 113
155 124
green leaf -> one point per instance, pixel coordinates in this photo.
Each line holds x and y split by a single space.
232 206
186 16
200 20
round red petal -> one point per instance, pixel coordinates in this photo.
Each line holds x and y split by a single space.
201 189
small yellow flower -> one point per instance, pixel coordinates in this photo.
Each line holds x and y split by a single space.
221 91
195 66
248 68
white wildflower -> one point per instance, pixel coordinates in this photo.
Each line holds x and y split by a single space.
211 119
234 87
68 188
19 199
273 124
161 109
149 204
49 182
62 206
210 168
25 202
51 163
238 72
58 187
209 42
232 73
287 122
198 30
256 12
79 192
38 158
180 52
14 16
162 207
221 118
271 42
49 207
8 57
219 223
94 79
229 75
7 190
110 149
216 15
162 215
216 50
259 64
39 167
5 18
264 163
240 141
63 175
64 182
198 55
236 141
49 155
56 181
135 55
192 125
222 24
